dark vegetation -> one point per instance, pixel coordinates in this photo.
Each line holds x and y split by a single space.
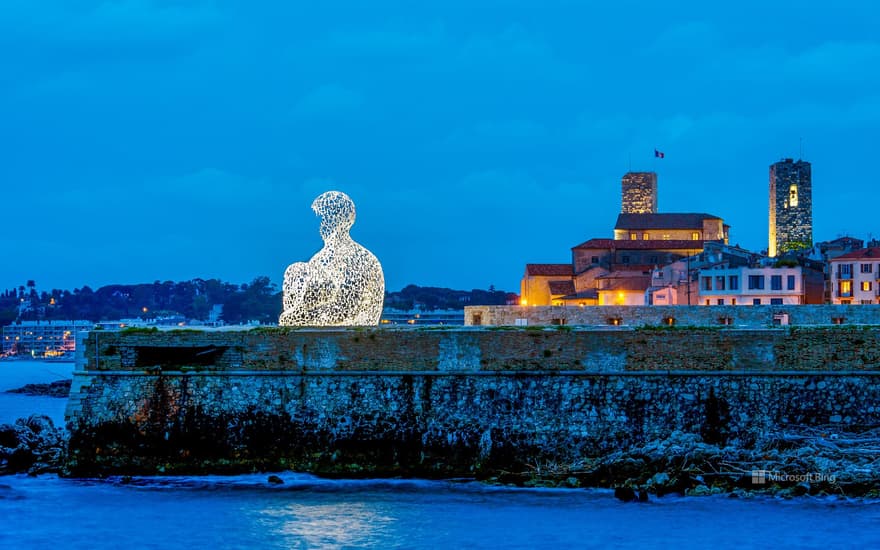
259 300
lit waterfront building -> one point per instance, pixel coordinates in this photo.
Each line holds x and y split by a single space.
639 193
42 338
791 207
855 277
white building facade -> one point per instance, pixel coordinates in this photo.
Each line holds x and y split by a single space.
751 286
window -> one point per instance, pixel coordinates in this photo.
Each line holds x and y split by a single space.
645 236
706 283
756 301
653 260
845 289
865 302
867 268
734 282
791 282
633 236
720 301
866 286
733 301
719 283
695 236
775 301
624 260
666 236
707 302
594 259
775 282
756 282
845 271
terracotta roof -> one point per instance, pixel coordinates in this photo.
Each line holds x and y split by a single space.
590 293
596 243
662 221
561 287
550 270
652 244
626 283
627 274
861 254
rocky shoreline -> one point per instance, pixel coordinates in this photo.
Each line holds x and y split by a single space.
793 463
58 388
807 461
32 445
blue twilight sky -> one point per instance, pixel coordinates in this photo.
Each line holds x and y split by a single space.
173 139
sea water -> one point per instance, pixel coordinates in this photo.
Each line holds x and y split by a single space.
247 511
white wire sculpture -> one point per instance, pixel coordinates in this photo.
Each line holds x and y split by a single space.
343 284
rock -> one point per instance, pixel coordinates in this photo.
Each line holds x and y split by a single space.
801 489
699 491
32 445
659 479
625 494
275 480
58 388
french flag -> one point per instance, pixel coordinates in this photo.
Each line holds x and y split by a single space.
659 154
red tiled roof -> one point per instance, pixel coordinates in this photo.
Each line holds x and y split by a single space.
561 287
861 254
663 221
589 294
652 244
625 283
550 270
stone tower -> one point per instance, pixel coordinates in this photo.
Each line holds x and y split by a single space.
791 207
639 193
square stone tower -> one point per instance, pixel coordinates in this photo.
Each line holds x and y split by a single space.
639 193
791 207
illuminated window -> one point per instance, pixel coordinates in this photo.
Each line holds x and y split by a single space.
666 236
793 195
695 236
644 236
866 286
845 288
633 236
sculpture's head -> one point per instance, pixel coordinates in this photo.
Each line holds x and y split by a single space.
337 213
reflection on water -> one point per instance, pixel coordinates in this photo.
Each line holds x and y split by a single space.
308 512
326 525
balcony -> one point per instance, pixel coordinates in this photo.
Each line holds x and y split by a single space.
844 276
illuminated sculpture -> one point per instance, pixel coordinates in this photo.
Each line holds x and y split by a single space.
343 283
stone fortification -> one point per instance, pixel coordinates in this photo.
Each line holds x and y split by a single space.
742 316
453 402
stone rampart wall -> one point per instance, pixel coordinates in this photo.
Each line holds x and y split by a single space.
450 402
742 316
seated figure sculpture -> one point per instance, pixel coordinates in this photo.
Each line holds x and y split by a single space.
343 284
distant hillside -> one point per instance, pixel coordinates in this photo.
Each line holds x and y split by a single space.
259 300
430 298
